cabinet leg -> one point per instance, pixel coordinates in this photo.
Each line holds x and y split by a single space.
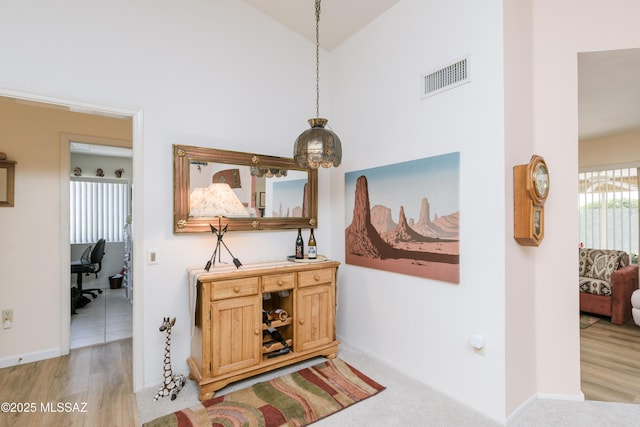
332 356
206 396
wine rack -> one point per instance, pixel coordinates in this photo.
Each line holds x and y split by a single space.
277 298
236 309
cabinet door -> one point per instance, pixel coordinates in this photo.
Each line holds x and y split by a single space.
315 317
236 334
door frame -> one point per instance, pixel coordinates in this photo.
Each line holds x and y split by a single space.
66 139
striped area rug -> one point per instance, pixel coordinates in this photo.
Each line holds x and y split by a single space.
295 399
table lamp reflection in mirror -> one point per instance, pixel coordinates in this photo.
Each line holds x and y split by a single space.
218 201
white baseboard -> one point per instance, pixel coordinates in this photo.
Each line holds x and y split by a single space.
577 398
21 359
541 396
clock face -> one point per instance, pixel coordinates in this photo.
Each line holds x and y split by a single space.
541 180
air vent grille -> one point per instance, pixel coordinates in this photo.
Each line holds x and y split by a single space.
445 78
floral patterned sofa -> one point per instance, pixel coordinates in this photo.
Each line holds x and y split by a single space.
606 281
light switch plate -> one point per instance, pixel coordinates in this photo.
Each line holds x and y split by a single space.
152 256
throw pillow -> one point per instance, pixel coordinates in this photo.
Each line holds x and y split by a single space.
603 266
583 262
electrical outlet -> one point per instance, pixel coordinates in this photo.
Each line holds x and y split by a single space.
7 318
478 343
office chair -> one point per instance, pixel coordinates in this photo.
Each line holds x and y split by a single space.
91 262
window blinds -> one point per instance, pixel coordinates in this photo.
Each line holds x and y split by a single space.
98 210
608 208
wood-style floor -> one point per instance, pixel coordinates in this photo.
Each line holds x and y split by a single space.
92 386
101 378
610 362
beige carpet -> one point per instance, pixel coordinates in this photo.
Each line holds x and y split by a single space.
389 408
428 406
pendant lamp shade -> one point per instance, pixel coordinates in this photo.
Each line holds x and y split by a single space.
317 146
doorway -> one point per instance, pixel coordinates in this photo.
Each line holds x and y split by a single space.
43 162
609 128
100 206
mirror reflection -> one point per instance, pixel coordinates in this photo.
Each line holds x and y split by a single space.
247 191
7 182
3 184
237 191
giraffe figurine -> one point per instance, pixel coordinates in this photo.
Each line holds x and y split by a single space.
172 383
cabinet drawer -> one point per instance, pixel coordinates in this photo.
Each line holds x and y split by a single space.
234 288
278 282
315 277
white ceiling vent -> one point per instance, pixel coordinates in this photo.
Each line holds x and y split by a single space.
445 78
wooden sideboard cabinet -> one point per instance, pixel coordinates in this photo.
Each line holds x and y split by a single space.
230 341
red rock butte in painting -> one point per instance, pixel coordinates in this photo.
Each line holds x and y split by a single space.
426 248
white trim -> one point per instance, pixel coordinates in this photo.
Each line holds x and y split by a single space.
138 252
523 407
21 359
542 396
74 106
571 397
65 246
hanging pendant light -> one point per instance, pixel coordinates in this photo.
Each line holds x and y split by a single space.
317 146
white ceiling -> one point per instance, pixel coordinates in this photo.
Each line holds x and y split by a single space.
608 92
339 19
609 81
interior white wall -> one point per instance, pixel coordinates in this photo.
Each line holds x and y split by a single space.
216 74
562 30
520 357
220 74
422 326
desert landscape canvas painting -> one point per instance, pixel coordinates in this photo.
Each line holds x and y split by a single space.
405 217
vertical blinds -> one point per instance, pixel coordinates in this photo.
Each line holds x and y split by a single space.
608 208
98 210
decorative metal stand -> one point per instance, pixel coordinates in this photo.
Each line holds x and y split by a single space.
219 232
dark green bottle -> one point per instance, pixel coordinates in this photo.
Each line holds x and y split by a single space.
299 245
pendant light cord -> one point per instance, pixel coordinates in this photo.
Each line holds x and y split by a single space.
317 58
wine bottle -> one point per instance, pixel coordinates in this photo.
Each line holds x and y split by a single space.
279 314
313 250
299 245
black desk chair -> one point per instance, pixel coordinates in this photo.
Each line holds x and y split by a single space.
91 262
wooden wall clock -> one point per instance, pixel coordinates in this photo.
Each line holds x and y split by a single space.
530 191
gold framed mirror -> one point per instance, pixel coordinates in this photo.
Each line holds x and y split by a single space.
7 183
245 191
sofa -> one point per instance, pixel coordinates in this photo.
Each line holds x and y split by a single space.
607 280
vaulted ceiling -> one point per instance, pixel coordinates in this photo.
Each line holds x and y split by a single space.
609 86
339 19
